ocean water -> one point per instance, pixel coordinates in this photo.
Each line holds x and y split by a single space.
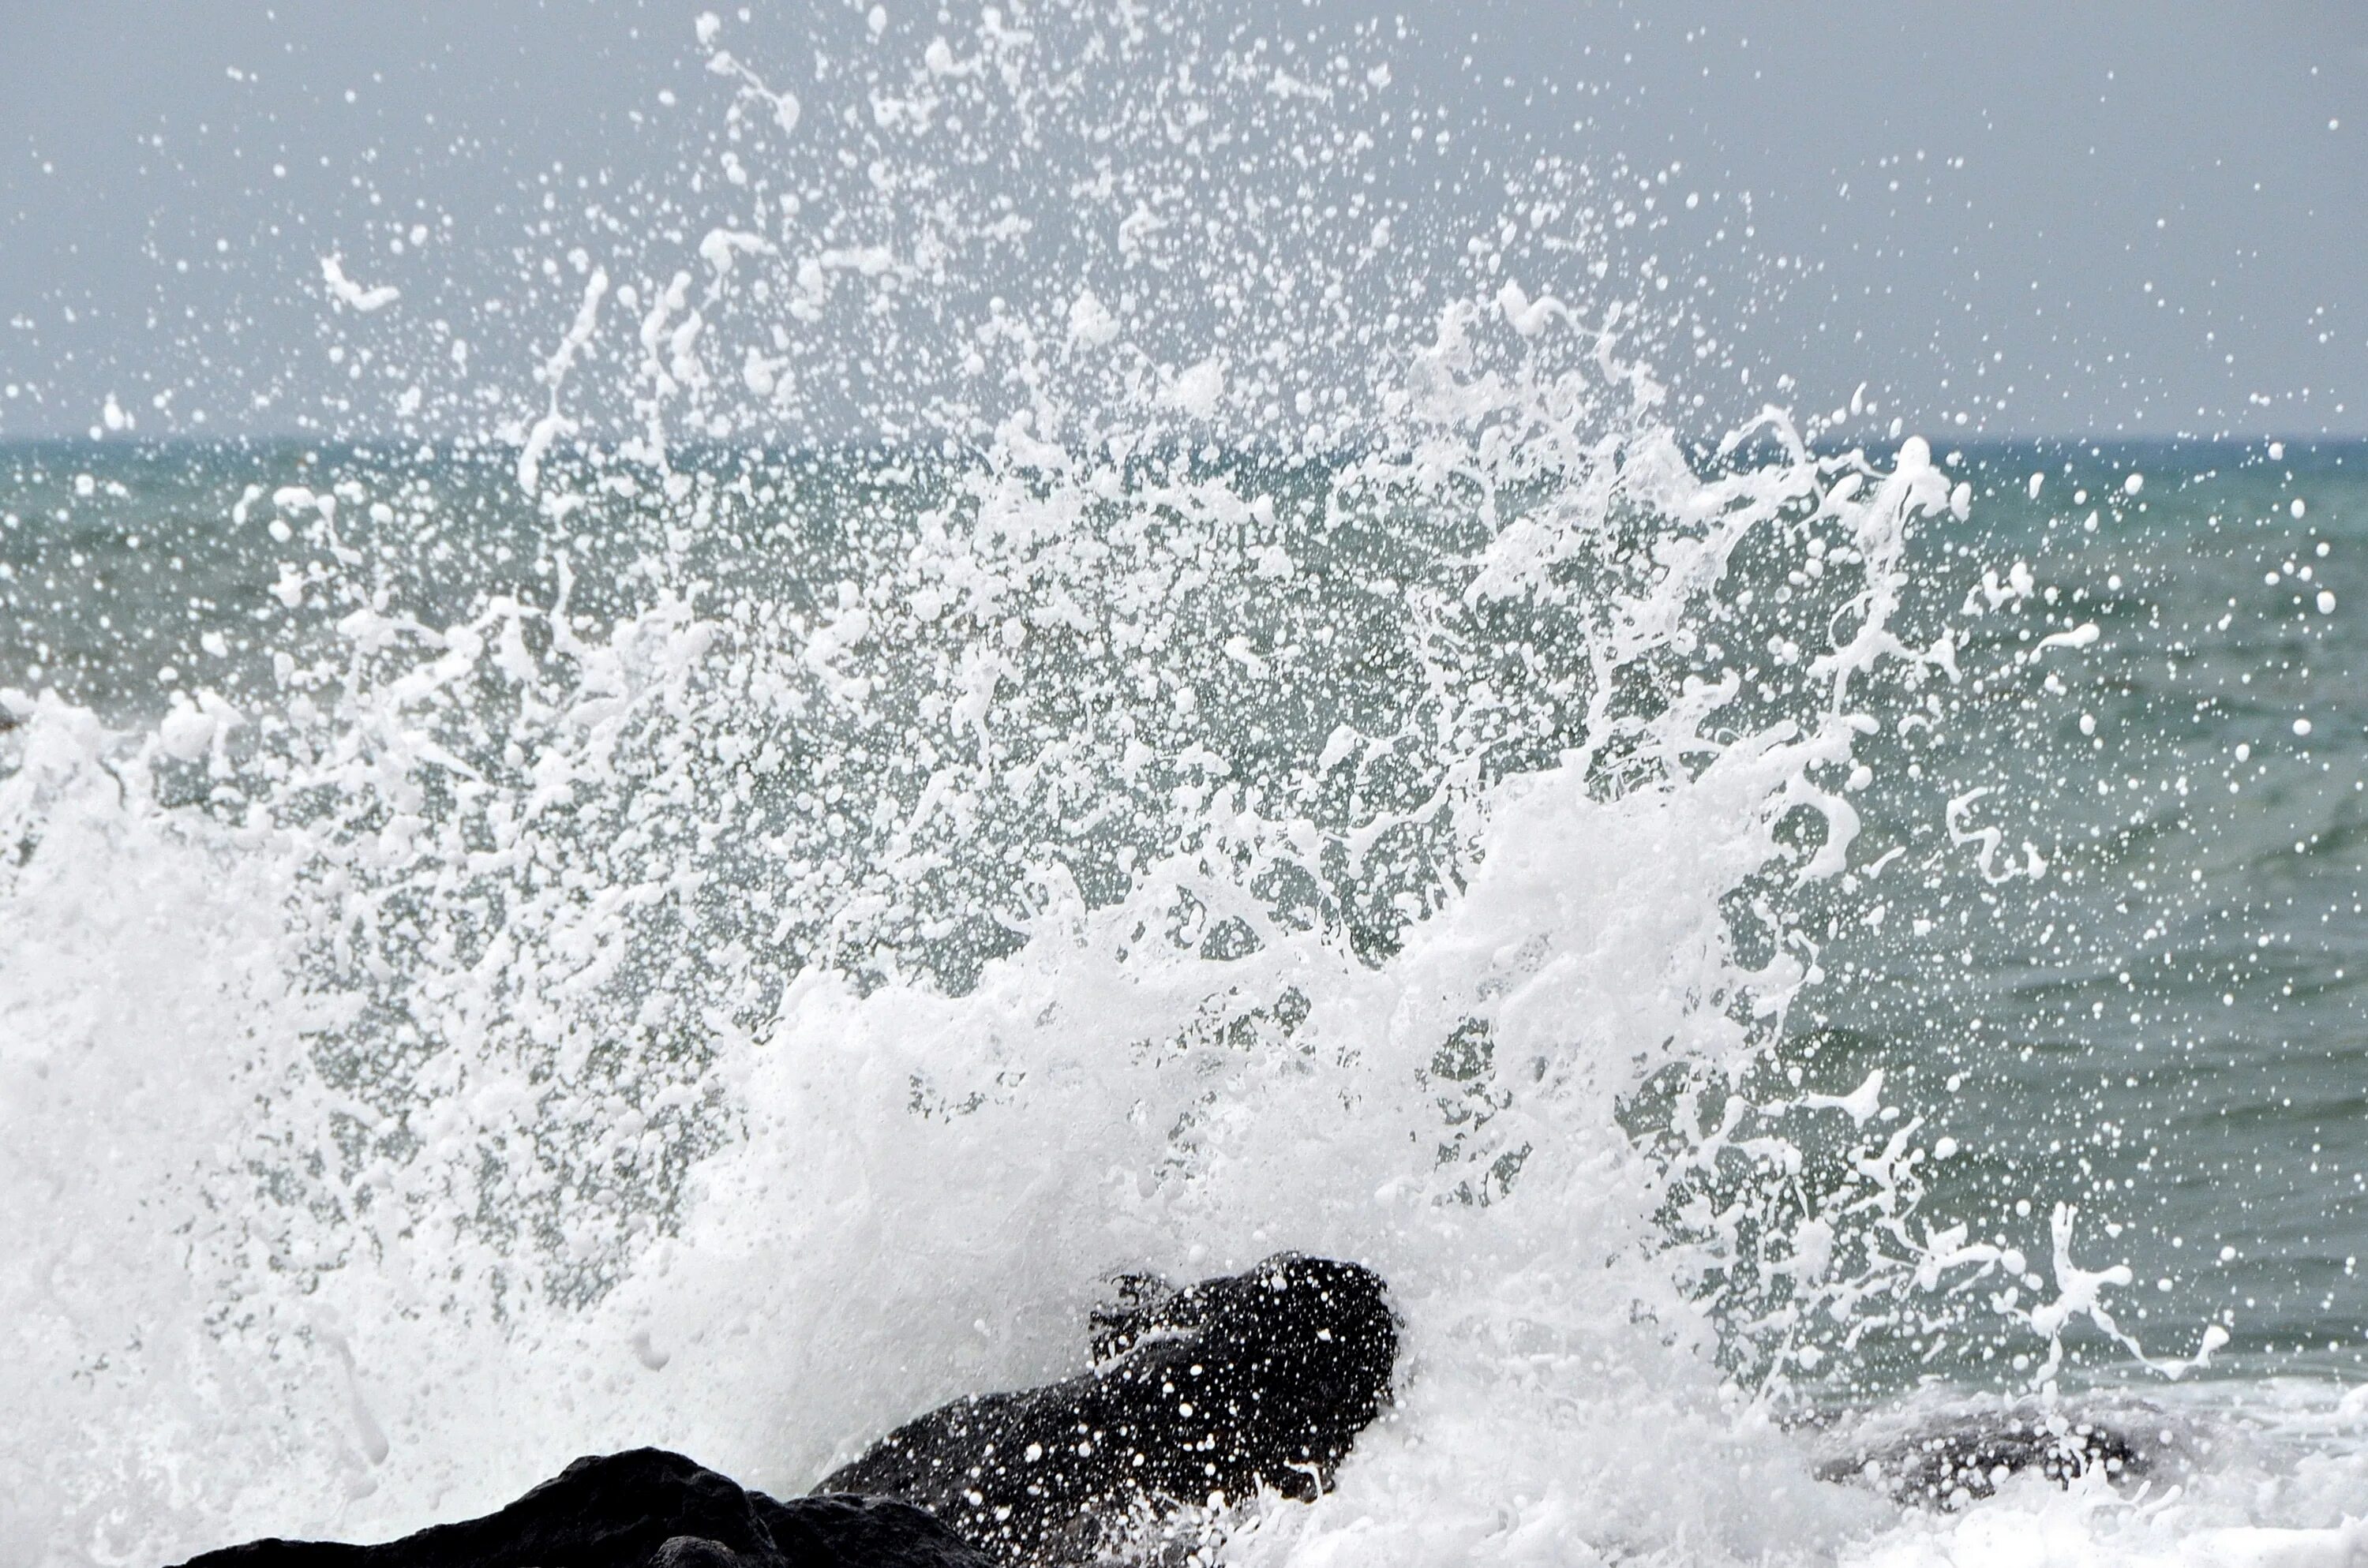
641 917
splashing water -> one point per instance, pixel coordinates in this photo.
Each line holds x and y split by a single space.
917 766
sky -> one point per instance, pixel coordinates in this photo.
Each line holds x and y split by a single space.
2001 219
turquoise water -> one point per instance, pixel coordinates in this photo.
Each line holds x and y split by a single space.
2166 1028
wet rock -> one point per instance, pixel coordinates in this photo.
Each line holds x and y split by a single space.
692 1552
1949 1461
1197 1396
645 1508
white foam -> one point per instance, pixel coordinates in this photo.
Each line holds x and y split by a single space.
352 295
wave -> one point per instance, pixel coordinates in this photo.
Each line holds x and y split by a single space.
681 933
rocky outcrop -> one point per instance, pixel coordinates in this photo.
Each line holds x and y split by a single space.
1255 1382
1197 1396
1947 1461
645 1508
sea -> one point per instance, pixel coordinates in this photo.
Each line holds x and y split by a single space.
574 930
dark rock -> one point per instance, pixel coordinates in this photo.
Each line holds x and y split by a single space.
1962 1457
645 1508
692 1552
1198 1397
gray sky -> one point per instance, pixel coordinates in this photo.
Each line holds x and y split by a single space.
2046 217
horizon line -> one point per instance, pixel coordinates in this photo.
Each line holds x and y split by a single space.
393 442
